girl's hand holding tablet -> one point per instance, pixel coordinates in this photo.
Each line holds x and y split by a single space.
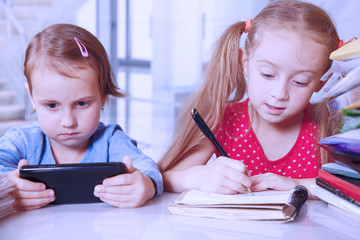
29 195
131 189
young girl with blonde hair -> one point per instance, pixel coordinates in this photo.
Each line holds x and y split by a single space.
271 136
69 80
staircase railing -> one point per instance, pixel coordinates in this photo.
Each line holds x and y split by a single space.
13 24
11 21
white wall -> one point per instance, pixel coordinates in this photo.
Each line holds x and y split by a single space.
345 15
220 14
177 37
184 32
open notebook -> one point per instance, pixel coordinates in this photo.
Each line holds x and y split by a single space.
267 205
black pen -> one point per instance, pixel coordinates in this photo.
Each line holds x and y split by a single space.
208 133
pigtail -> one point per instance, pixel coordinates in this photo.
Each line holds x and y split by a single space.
224 77
327 127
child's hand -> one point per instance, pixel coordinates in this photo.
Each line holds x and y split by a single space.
131 189
272 181
224 175
29 195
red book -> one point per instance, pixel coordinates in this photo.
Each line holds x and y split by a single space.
344 186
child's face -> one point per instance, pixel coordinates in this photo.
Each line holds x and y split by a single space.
68 109
283 72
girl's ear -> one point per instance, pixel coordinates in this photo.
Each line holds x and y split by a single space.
244 61
29 93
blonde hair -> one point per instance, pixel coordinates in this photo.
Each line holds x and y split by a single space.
224 75
56 48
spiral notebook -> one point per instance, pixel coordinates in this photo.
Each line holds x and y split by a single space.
282 206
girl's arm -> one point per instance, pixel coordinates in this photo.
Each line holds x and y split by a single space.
276 182
121 145
223 175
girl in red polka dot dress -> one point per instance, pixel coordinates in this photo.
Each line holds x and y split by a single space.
256 100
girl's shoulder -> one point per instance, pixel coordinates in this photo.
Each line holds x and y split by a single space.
23 140
107 131
29 131
111 132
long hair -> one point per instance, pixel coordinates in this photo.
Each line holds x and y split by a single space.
55 48
224 75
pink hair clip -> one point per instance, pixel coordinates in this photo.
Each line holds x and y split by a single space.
247 25
82 47
342 43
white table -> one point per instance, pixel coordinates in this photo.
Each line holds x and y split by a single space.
153 221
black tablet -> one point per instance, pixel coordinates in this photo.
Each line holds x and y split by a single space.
72 183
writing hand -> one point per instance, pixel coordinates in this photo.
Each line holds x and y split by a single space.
224 175
272 181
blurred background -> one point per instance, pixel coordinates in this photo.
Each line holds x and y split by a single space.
157 49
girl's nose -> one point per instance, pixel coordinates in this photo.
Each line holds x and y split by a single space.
279 90
68 119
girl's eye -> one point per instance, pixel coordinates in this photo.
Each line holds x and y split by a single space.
51 105
266 75
300 83
82 104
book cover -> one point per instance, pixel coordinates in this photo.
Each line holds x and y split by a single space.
337 192
344 147
280 206
350 81
343 223
351 180
348 159
340 168
346 142
344 186
348 51
347 100
335 200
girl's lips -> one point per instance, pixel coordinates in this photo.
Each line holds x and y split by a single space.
274 110
69 134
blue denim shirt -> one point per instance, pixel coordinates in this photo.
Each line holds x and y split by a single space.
107 144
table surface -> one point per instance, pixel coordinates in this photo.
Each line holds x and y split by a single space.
154 221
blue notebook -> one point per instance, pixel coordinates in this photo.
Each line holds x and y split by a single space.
340 169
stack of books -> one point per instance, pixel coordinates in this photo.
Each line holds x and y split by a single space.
6 199
339 182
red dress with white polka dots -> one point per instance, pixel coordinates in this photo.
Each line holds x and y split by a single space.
241 143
